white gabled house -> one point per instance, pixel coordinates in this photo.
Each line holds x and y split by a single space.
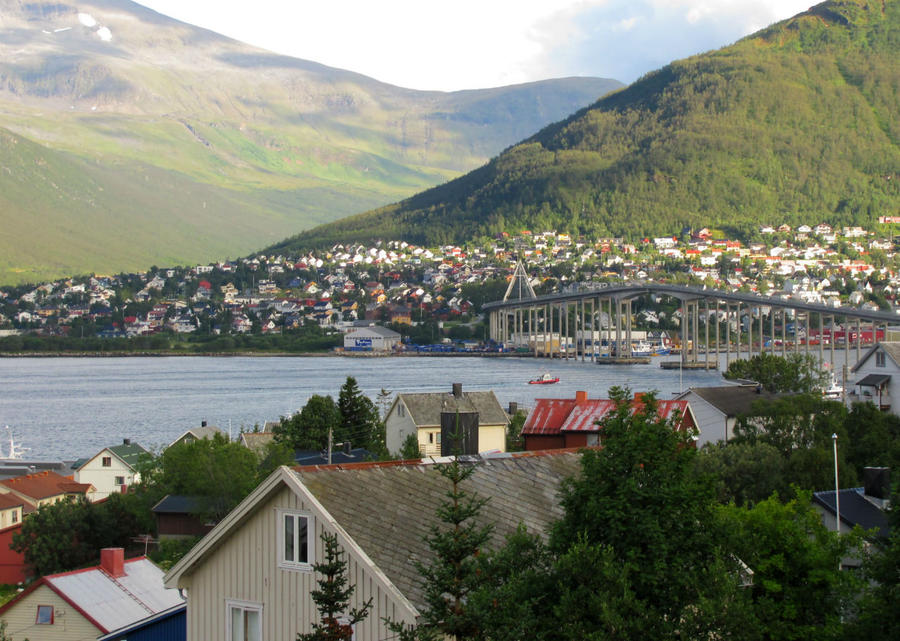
112 470
251 576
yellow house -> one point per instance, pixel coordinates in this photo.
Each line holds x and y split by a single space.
421 414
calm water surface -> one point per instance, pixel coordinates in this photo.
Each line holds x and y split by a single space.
65 408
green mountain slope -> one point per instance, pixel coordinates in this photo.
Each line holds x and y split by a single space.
797 123
150 128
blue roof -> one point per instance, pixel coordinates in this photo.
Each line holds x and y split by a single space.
856 509
173 620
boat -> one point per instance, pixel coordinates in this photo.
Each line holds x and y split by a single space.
834 391
15 451
641 348
544 379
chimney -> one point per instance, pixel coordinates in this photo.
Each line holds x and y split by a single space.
347 447
126 441
513 408
457 390
877 483
112 561
202 423
580 397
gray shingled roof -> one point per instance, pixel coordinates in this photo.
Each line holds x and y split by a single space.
389 509
856 510
734 400
425 409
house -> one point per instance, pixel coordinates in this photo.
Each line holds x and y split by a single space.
565 423
257 441
863 506
716 409
45 488
179 517
255 567
87 603
168 625
197 433
429 415
11 509
112 470
876 376
371 339
12 563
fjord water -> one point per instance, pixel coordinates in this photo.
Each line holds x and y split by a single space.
66 408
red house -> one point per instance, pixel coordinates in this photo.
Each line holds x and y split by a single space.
12 564
561 423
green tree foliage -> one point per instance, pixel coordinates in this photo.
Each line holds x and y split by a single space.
410 448
70 534
793 373
643 514
332 598
798 590
308 429
746 472
218 472
455 573
514 442
797 121
360 422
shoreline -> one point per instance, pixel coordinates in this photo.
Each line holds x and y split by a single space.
143 354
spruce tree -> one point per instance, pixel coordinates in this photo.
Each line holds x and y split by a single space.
332 599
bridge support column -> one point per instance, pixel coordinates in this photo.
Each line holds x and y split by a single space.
706 329
727 335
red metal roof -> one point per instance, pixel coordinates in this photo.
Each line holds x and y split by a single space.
552 416
548 415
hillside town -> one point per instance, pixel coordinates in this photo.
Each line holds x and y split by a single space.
396 282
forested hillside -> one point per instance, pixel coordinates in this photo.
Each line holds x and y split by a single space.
798 122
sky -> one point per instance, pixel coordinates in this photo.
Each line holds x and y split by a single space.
472 44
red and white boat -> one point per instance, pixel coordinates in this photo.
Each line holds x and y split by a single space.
545 379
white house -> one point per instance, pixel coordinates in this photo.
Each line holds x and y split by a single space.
716 409
251 576
371 339
876 377
112 469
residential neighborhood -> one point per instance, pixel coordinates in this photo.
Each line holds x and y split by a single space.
396 282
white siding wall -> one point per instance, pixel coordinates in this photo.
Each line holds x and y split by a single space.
711 422
245 568
398 425
68 624
103 478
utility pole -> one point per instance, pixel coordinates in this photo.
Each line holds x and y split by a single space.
330 442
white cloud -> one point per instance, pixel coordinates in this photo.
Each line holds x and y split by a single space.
481 43
87 20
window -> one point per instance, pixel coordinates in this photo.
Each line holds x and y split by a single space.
120 480
107 461
295 542
879 359
15 516
44 615
244 621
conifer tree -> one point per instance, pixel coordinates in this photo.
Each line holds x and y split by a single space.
332 599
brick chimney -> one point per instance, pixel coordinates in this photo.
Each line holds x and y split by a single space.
580 397
112 561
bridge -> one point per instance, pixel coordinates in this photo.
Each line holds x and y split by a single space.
596 324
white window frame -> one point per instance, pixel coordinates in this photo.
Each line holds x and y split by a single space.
244 606
291 564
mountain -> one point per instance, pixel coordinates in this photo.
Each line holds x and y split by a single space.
128 139
799 122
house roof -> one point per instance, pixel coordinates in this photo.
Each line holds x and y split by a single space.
257 441
873 380
10 500
44 485
382 332
175 611
552 416
111 603
130 453
387 509
425 409
198 433
856 509
733 400
891 348
179 504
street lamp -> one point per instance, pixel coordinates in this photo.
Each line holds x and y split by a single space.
837 495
